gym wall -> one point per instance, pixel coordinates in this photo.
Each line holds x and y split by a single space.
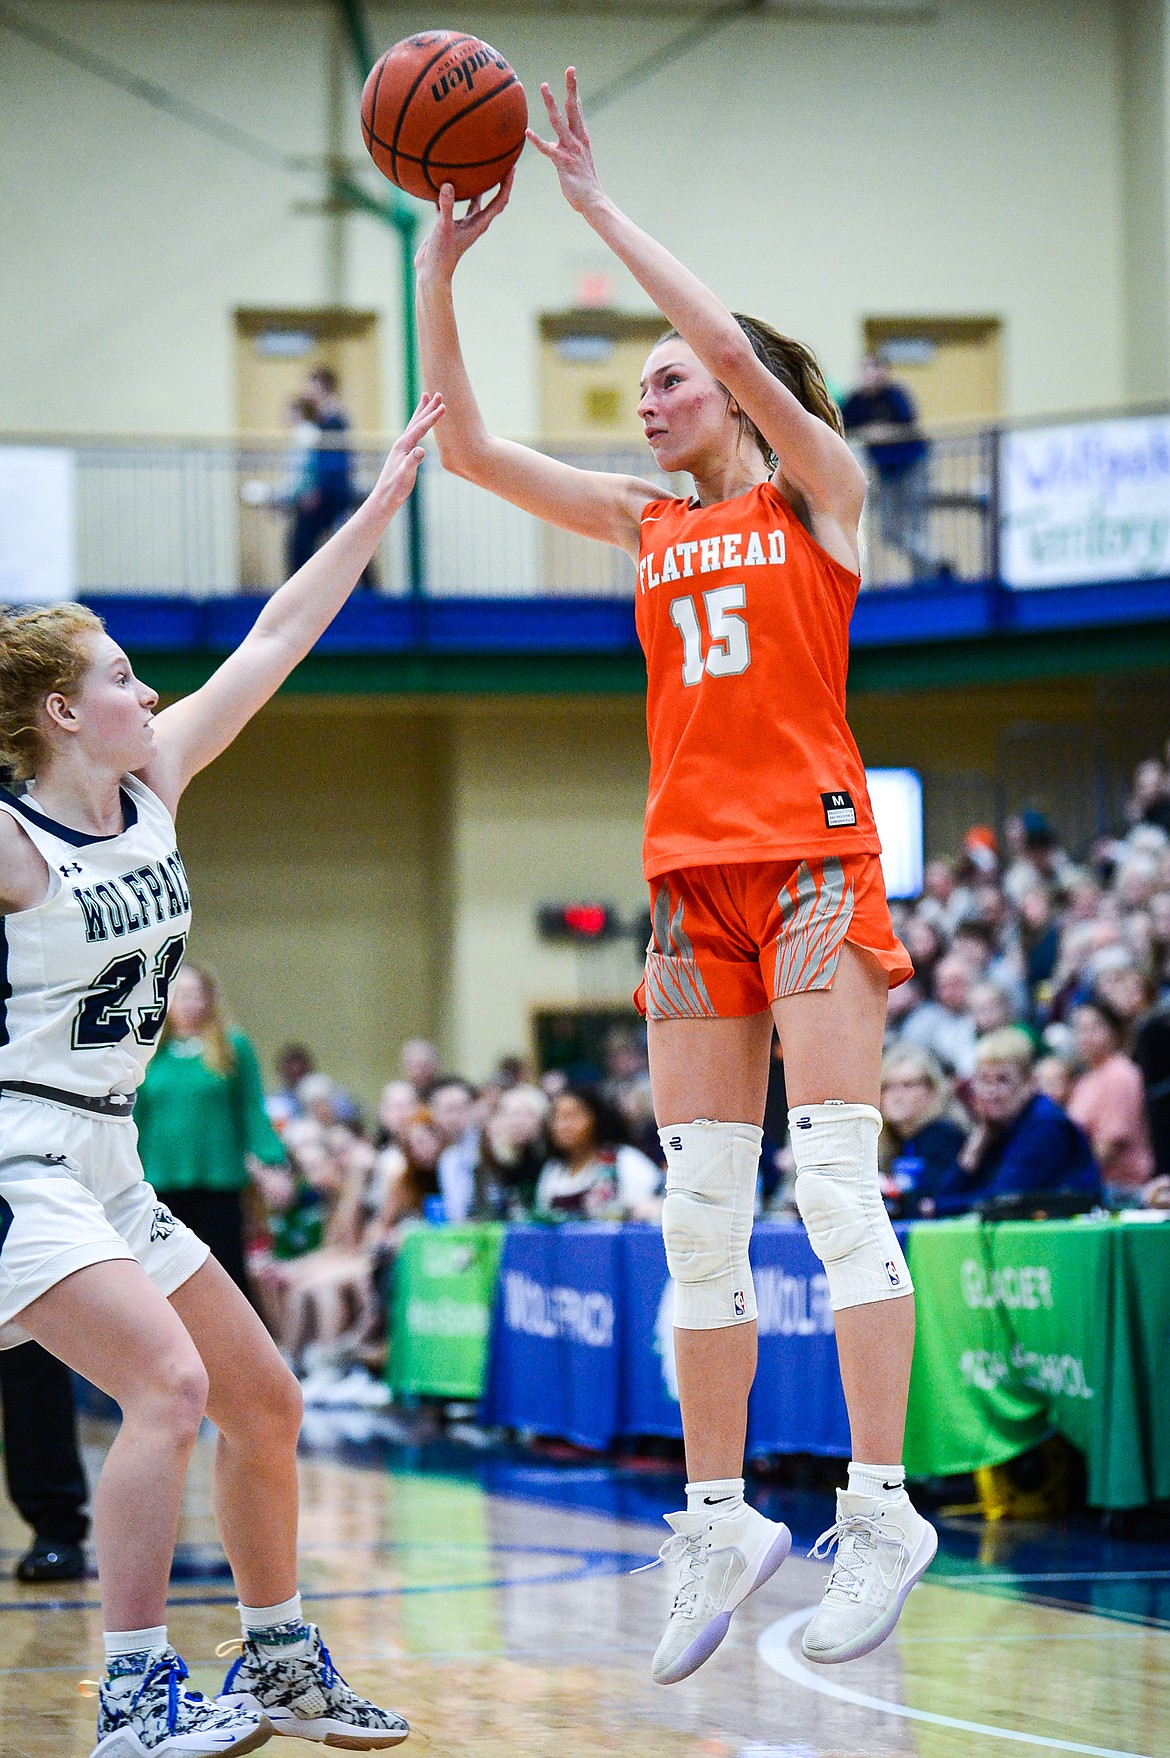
815 170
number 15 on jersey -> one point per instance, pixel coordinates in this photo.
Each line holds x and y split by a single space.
729 652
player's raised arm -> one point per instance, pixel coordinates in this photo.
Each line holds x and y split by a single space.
812 455
193 732
594 503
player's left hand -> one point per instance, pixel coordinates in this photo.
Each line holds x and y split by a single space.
570 152
406 454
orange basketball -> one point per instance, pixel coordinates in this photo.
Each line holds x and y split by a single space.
441 107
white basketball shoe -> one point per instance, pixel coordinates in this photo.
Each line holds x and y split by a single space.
883 1548
721 1563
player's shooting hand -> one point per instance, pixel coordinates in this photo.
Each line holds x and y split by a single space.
451 238
406 454
570 152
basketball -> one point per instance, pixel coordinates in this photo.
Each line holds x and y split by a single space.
442 107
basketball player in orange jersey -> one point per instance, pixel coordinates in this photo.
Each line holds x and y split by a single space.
766 890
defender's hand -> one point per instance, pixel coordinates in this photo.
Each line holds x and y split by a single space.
406 454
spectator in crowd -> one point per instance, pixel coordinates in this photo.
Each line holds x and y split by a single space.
413 1184
902 1003
452 1105
990 1007
921 1140
1120 980
325 490
1108 1101
1152 1055
201 1119
421 1066
1021 1144
1053 1076
42 1462
326 1294
594 1174
881 415
943 1025
293 1063
513 1150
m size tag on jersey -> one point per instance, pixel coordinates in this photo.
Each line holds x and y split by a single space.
840 812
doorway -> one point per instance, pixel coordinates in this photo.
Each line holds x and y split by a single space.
275 351
590 371
951 366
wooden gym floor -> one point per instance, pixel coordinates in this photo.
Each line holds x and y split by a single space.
490 1600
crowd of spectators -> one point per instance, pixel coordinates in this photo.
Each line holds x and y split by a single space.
1027 1067
1029 1056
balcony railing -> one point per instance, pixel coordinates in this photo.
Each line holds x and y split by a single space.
206 519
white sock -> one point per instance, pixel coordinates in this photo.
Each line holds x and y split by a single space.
129 1654
886 1482
722 1496
279 1631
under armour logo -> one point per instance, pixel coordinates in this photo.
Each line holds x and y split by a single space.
676 1143
163 1223
69 867
56 1159
804 1123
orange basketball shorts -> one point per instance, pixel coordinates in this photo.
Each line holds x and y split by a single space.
729 940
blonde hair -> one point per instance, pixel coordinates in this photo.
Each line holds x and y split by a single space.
797 368
1011 1044
921 1062
41 654
218 1051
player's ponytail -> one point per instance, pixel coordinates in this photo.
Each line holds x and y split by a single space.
41 652
796 367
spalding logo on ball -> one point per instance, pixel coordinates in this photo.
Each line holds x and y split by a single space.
441 107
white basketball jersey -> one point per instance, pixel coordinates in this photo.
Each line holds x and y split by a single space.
84 975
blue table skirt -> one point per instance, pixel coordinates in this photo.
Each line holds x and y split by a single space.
582 1340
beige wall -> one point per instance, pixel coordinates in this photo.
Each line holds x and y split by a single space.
316 848
364 870
546 808
813 169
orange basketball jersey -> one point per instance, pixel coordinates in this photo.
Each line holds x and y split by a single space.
744 621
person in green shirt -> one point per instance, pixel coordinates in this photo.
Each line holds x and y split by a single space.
201 1119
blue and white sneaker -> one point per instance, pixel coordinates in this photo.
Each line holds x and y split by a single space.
161 1720
306 1698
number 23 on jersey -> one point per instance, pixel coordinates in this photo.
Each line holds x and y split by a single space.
729 651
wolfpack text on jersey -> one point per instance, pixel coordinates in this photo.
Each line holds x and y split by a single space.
84 976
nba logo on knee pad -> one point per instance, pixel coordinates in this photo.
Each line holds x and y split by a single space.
893 1273
739 1303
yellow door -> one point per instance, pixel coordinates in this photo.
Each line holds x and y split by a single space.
276 350
951 365
590 371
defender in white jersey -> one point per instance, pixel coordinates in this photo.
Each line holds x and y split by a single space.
94 915
82 1002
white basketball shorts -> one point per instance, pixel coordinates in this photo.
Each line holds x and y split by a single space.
73 1193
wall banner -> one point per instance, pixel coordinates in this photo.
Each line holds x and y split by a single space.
1085 502
37 525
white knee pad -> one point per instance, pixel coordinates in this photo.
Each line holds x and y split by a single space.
707 1214
839 1198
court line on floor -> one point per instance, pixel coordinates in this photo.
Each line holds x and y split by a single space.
1008 1578
774 1650
590 1563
